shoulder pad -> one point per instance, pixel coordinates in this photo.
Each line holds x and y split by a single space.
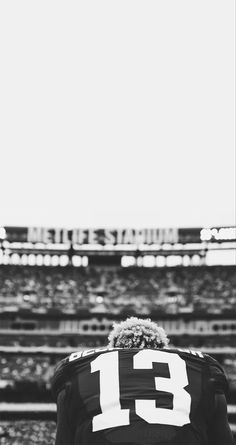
217 375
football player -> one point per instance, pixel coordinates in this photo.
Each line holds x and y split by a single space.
138 390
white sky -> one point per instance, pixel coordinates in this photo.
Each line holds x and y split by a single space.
117 113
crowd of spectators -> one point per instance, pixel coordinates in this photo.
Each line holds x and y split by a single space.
27 432
26 368
115 289
111 290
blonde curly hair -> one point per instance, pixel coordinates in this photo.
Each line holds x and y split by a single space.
137 333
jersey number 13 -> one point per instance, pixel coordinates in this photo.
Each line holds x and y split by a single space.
113 415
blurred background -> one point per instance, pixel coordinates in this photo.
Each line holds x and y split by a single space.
61 291
117 187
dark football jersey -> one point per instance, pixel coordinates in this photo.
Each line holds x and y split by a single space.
138 396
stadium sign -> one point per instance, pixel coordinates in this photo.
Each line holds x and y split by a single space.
116 236
102 236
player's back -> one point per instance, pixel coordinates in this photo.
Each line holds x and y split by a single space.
138 396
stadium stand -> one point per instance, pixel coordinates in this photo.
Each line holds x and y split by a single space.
48 310
111 290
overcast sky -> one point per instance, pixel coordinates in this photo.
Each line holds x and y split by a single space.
117 113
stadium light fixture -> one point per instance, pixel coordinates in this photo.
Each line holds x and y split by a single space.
3 233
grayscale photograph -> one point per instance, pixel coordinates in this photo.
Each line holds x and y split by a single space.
117 222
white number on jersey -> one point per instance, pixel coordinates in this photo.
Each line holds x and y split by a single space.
113 415
146 409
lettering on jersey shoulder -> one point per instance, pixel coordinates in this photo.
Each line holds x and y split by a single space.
191 351
74 356
79 354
